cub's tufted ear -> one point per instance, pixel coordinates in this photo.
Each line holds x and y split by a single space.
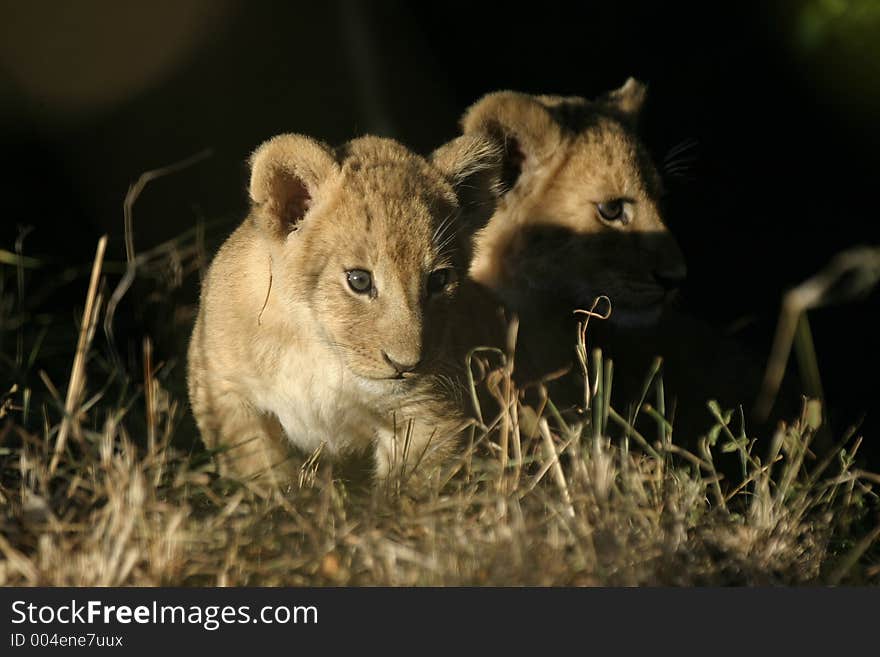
287 173
473 164
628 99
527 130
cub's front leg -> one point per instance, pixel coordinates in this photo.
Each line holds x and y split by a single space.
252 446
412 451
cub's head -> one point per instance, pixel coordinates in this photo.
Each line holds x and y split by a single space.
580 217
371 241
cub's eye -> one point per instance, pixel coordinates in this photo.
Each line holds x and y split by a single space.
359 280
439 279
612 210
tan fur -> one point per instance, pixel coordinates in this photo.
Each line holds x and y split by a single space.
284 353
547 248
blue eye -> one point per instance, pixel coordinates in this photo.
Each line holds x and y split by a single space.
359 280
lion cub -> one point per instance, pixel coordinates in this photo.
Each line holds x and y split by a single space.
332 316
581 216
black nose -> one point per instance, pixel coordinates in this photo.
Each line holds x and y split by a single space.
402 368
671 279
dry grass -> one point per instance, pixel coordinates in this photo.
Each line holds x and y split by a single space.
535 498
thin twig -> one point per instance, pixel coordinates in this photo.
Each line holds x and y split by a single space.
77 372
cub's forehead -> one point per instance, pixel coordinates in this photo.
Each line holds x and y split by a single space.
387 223
395 194
608 151
608 142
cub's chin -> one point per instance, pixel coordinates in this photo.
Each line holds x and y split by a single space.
634 318
634 311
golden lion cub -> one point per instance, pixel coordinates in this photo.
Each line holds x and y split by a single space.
581 217
330 316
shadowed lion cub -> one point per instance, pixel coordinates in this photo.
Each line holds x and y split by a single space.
333 315
581 217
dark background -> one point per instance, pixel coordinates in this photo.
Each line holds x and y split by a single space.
782 98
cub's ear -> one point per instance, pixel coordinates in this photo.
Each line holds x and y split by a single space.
287 173
526 129
628 99
474 164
